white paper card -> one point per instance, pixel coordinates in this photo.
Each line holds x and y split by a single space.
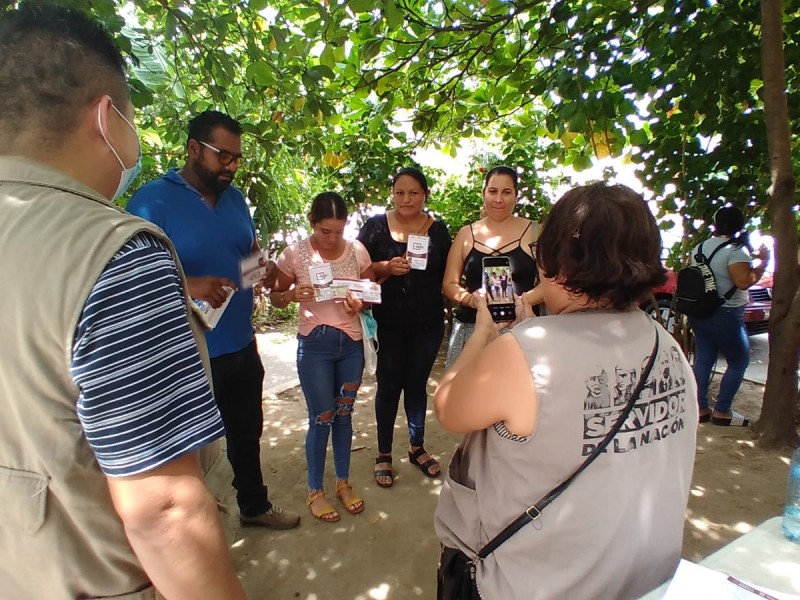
321 277
696 582
208 313
253 268
363 289
417 251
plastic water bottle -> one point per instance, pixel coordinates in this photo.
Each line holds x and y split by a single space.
791 515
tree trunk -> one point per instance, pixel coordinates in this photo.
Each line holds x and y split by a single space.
777 426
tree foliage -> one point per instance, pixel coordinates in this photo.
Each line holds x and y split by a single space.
339 93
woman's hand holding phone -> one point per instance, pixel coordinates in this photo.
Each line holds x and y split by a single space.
484 324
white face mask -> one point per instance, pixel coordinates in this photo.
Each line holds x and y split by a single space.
128 174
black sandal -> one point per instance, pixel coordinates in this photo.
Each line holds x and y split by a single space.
385 458
426 466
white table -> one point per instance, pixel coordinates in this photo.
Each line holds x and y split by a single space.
763 557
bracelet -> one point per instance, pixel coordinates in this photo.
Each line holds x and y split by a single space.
467 297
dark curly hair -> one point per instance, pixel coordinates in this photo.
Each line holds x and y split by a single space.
602 240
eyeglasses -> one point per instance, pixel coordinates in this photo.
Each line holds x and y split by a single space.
223 156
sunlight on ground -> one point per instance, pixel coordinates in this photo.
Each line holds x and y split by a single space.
379 593
698 491
380 516
742 527
717 531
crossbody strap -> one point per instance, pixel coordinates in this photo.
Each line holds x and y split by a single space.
534 511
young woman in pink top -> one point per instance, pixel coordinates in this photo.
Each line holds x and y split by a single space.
330 354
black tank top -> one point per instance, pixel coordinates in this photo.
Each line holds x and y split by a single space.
523 270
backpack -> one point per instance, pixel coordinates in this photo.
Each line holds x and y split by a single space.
696 292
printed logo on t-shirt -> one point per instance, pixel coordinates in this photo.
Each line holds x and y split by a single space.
658 413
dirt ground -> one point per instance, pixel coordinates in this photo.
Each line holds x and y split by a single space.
390 552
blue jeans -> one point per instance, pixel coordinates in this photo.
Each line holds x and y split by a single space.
329 364
405 359
724 332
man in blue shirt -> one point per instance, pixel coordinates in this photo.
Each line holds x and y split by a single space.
208 221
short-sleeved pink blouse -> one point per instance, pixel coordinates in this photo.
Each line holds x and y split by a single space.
294 262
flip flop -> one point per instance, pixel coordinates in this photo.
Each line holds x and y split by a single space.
425 467
736 420
384 458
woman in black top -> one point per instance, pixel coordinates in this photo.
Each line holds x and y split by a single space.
410 317
499 233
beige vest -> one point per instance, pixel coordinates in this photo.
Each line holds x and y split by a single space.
60 537
616 532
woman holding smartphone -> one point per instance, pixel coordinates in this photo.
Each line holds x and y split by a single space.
536 403
498 234
330 352
410 317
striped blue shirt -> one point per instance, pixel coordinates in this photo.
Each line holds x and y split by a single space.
144 398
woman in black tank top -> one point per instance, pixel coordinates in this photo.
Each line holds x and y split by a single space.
499 233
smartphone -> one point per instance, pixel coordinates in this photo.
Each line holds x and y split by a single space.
499 288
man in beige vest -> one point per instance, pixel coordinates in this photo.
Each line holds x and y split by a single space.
109 433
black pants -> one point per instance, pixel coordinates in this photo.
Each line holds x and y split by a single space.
238 379
405 359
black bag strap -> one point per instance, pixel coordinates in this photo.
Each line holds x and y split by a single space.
535 511
707 261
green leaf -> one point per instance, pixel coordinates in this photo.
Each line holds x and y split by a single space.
638 137
260 73
362 6
327 59
582 162
370 50
319 72
258 5
393 15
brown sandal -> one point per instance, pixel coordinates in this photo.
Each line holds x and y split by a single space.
326 514
355 504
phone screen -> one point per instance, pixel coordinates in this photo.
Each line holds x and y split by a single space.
498 287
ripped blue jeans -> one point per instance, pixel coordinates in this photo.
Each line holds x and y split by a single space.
329 364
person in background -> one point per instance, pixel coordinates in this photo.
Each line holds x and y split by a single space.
210 225
724 331
410 317
598 255
330 351
499 233
109 435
